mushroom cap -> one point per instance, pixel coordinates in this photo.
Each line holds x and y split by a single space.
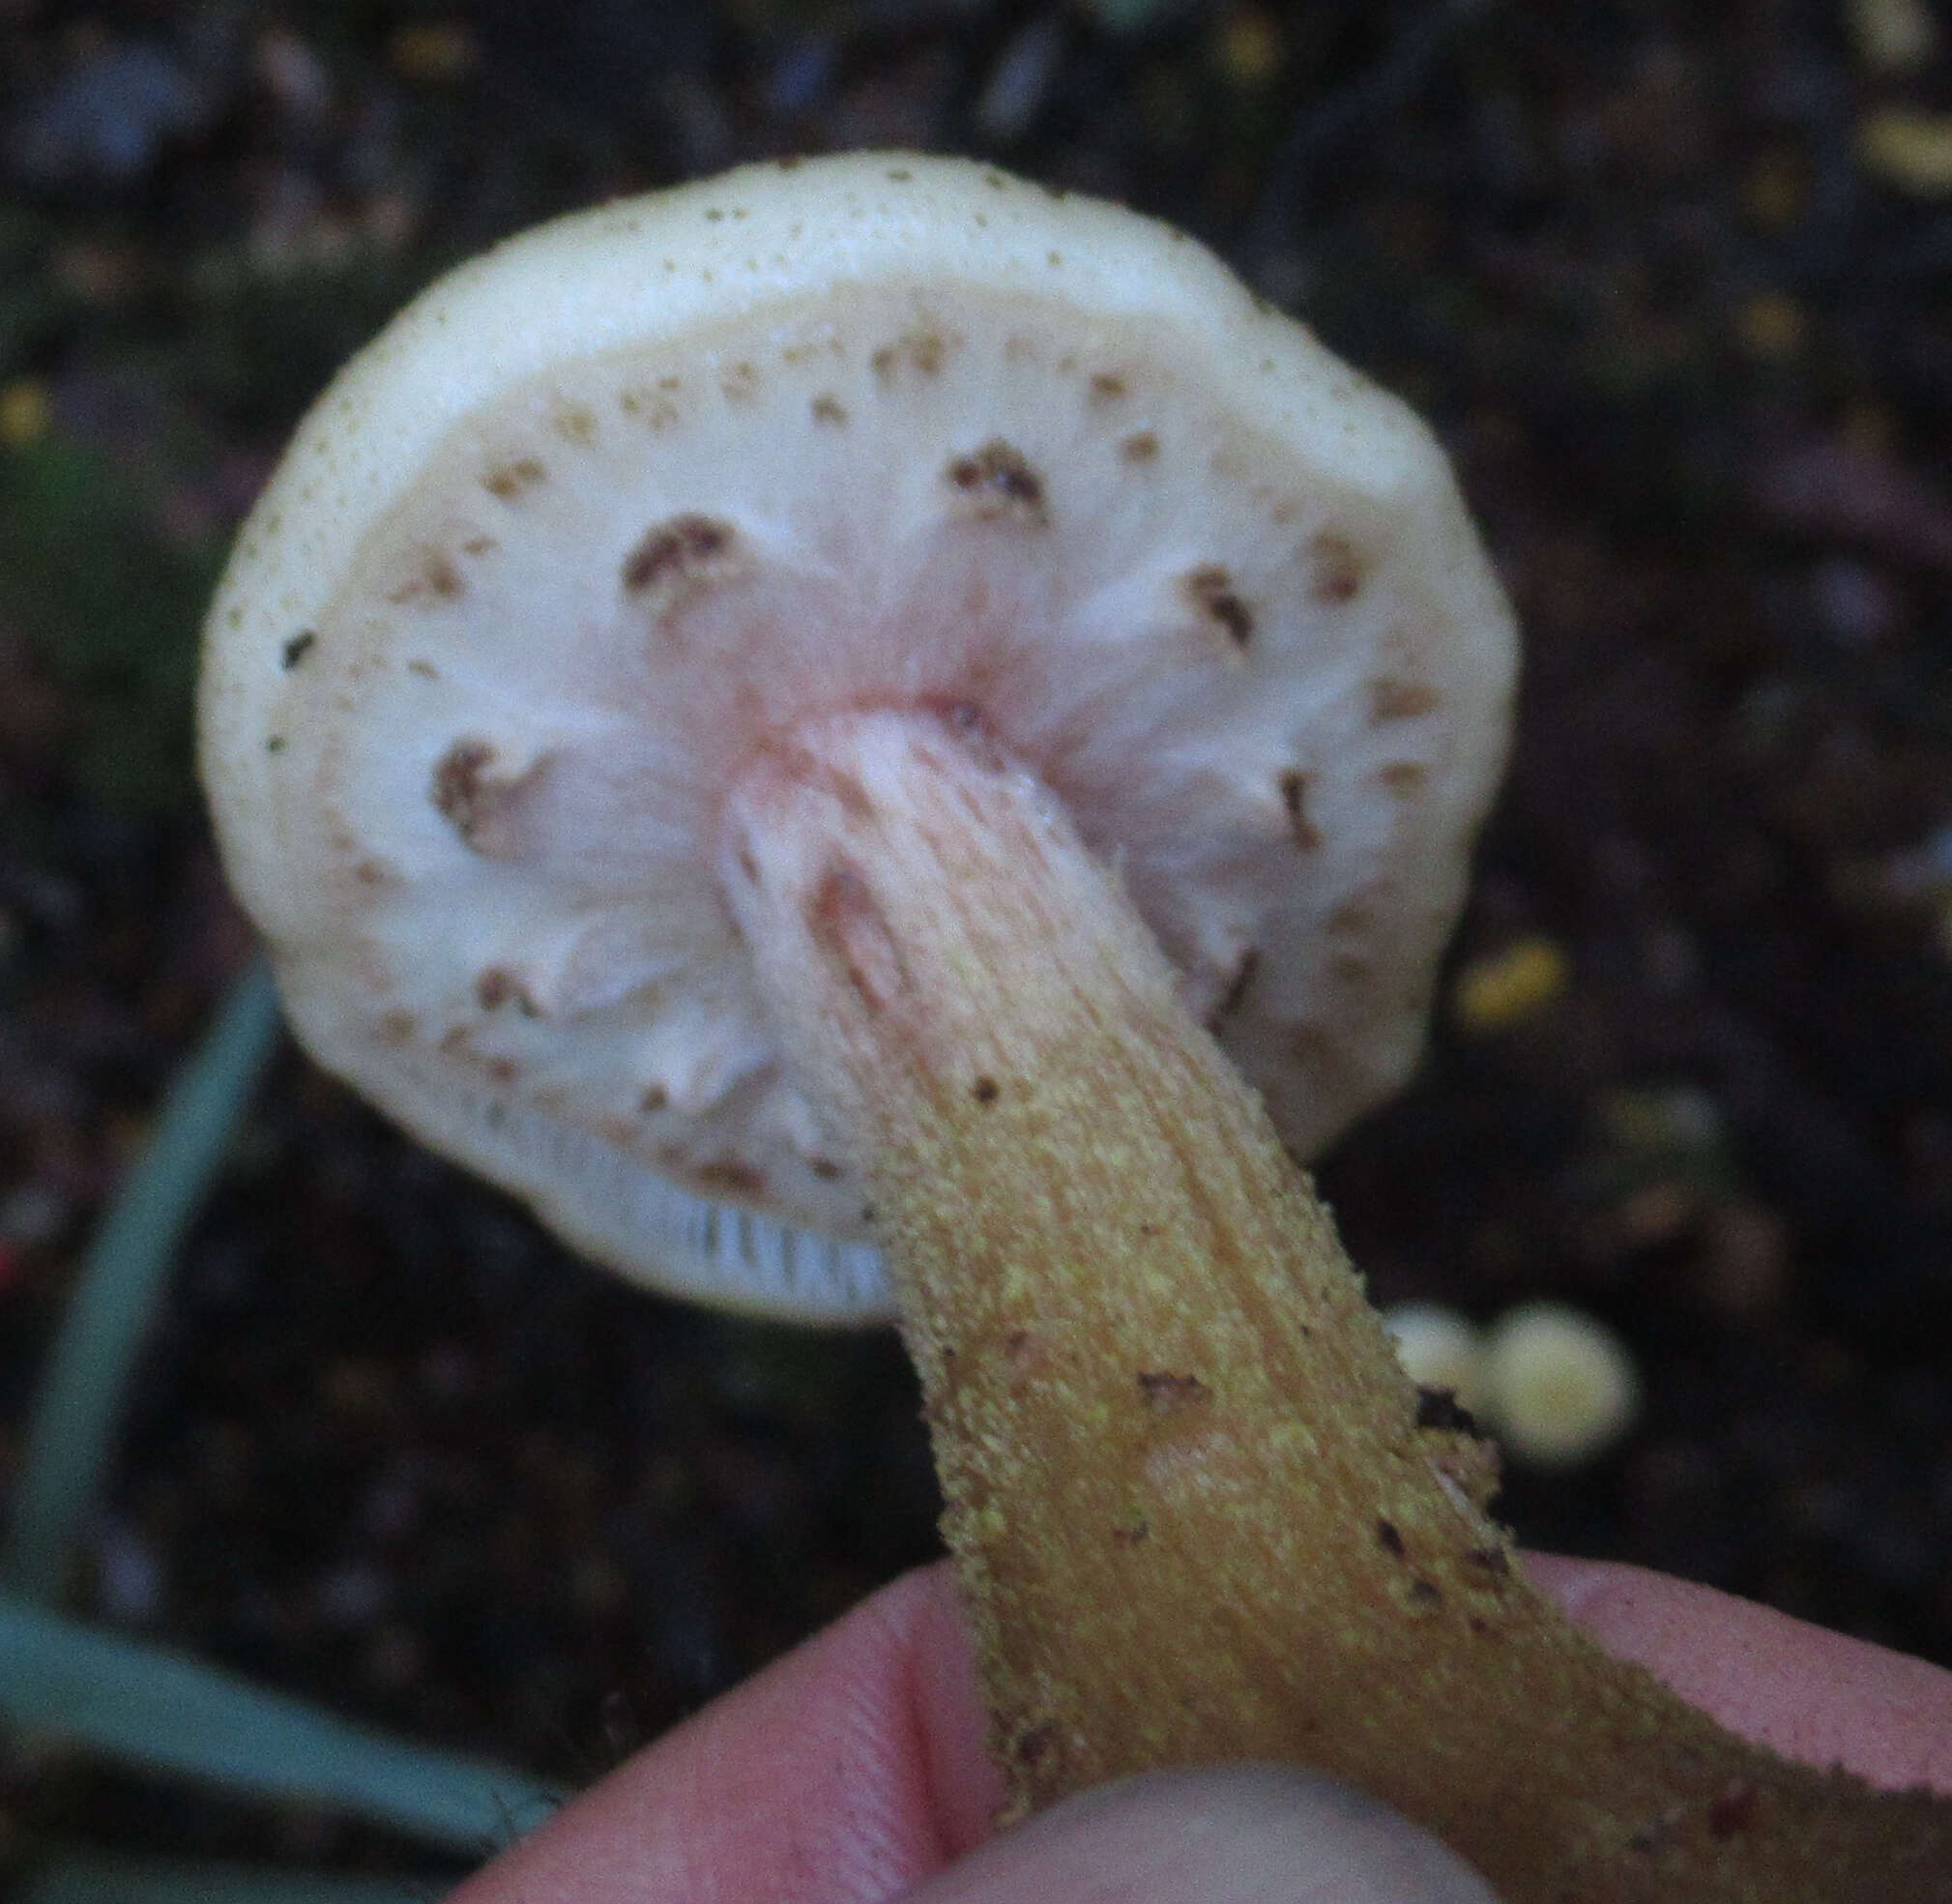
609 506
1561 1388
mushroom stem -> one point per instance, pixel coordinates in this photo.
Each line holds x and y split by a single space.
1195 1515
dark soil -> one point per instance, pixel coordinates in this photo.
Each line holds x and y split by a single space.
1687 341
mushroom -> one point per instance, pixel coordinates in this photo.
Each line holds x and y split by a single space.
1561 1387
603 517
776 717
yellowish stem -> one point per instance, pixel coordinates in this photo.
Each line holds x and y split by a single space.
1194 1513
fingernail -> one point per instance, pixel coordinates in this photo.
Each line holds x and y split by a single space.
1245 1835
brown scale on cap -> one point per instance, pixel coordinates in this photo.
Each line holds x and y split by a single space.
741 383
1392 698
1293 786
1001 485
498 985
483 807
922 351
653 404
434 578
677 560
1340 568
1209 589
729 1177
575 423
508 481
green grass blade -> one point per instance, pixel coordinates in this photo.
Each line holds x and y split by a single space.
79 1407
165 1712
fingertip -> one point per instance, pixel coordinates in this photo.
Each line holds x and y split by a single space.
1821 1697
848 1769
1237 1835
964 1783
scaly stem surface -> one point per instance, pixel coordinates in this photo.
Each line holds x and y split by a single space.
1194 1513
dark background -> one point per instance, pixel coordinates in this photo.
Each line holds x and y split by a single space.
1672 283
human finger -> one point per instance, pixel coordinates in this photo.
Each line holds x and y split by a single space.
844 1774
1808 1693
1237 1835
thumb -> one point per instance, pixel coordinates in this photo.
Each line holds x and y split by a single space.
1247 1835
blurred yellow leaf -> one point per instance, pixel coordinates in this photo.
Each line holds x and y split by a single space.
25 414
1498 990
1907 149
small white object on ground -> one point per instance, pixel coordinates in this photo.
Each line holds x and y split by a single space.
1562 1388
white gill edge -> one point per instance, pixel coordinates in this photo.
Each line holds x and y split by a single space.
607 1204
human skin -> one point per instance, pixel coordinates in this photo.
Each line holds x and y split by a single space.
853 1770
